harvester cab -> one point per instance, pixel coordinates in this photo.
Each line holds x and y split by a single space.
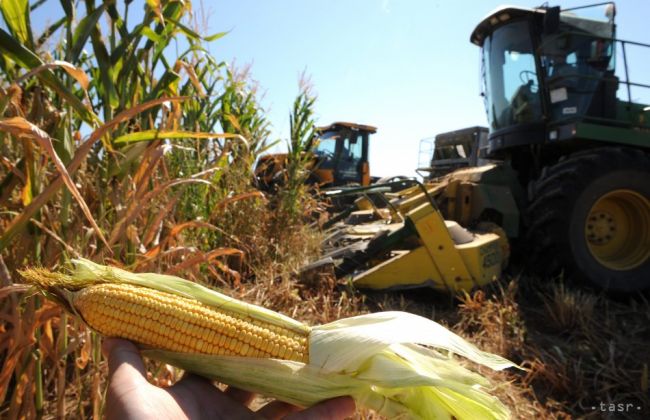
341 152
452 150
549 76
340 157
579 144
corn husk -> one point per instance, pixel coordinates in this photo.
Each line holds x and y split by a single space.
399 364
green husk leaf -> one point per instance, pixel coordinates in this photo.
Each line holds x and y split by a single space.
264 376
401 366
304 385
293 382
366 334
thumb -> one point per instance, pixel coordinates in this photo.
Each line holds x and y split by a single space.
125 364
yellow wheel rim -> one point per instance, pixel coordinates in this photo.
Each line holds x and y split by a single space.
617 230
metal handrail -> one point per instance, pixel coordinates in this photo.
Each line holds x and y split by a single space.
627 81
623 43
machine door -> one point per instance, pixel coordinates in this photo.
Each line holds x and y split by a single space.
350 159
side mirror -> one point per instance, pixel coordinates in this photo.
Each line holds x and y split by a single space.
552 20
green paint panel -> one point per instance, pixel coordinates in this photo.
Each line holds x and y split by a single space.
627 136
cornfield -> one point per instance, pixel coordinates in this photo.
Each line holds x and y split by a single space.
124 140
127 143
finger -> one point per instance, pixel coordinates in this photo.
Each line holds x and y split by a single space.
206 400
239 395
198 384
276 410
124 361
334 409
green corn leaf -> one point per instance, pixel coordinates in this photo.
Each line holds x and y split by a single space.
111 100
68 8
16 16
215 36
150 34
36 5
83 31
158 48
26 59
112 11
173 10
151 135
193 34
129 42
49 31
187 31
14 50
167 83
5 65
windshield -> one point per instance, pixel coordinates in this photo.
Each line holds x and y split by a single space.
341 150
510 77
326 149
326 144
450 151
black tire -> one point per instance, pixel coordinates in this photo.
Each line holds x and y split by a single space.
561 201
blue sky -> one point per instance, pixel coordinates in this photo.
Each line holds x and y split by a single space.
404 66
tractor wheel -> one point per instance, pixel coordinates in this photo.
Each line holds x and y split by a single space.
590 214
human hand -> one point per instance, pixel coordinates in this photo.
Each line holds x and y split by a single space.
131 396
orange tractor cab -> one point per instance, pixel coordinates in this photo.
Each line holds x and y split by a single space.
340 157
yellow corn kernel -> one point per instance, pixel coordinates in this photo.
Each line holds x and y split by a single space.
151 317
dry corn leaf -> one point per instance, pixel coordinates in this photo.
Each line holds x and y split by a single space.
84 352
75 72
20 127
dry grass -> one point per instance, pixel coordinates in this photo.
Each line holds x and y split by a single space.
579 349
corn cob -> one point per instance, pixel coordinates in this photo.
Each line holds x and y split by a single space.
165 321
389 362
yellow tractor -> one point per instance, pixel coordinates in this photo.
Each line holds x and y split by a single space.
340 157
